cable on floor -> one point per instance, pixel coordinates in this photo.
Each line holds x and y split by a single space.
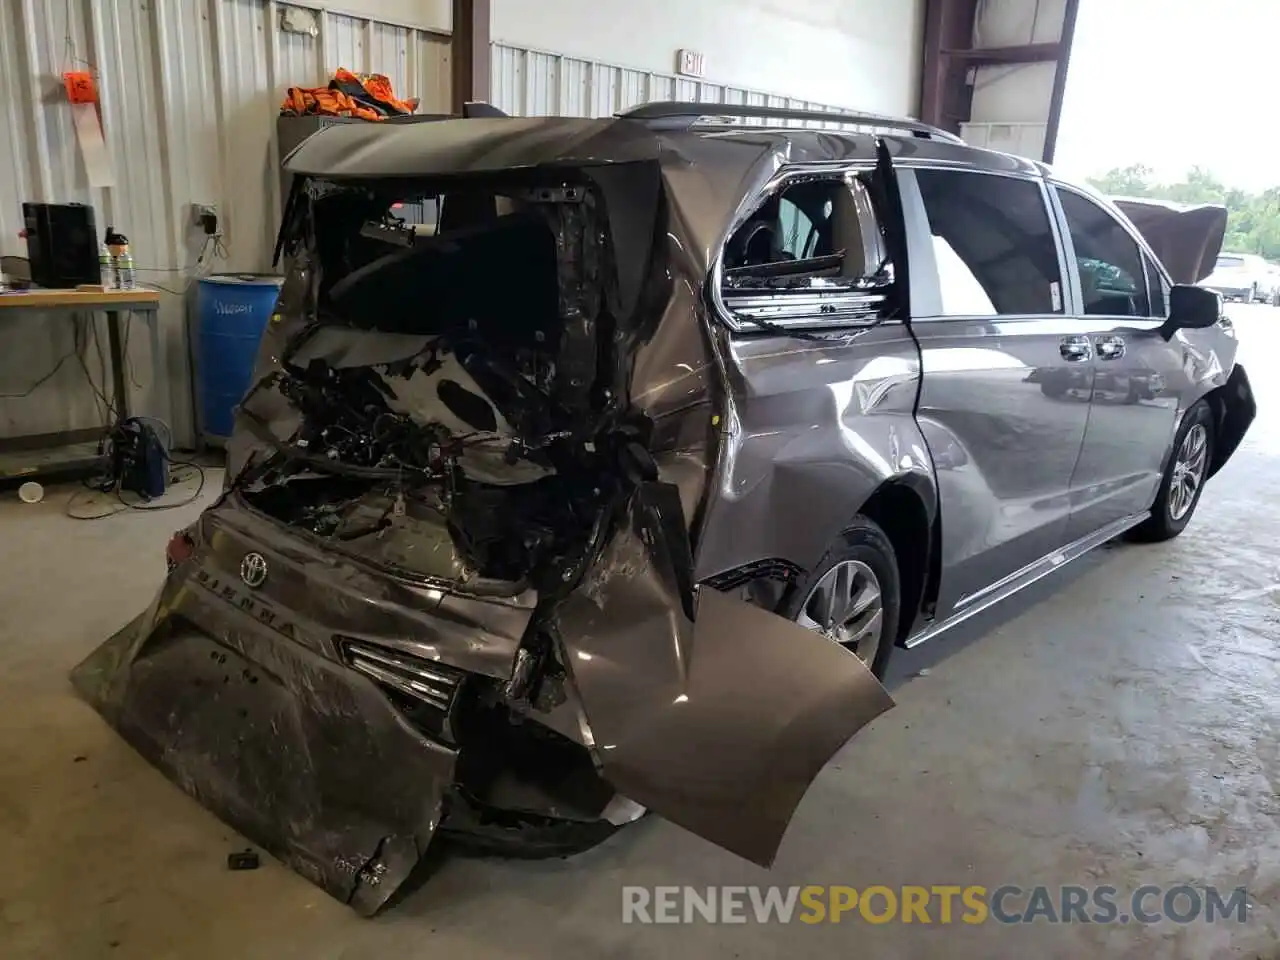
110 482
125 506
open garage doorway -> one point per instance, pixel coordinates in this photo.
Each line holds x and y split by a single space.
1173 99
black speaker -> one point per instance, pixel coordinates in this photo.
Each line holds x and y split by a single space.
62 244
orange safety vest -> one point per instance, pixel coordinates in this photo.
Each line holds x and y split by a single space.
347 95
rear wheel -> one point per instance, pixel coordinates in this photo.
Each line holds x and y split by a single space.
1184 478
1053 388
853 596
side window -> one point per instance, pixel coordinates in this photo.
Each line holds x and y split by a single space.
811 255
993 243
1111 275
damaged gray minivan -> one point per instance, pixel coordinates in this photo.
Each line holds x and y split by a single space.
612 485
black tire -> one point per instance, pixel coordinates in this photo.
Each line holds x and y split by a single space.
862 540
1054 389
1161 525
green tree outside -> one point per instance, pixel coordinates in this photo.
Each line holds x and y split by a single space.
1253 219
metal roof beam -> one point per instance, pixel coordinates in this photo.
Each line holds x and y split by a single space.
1020 53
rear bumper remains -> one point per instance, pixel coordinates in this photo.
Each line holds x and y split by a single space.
304 757
263 703
340 718
1237 411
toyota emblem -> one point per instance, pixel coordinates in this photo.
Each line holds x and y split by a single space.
253 569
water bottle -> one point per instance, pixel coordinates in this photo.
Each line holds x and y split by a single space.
106 266
118 248
124 271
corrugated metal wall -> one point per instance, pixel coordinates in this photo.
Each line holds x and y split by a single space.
1023 139
537 83
189 93
1012 102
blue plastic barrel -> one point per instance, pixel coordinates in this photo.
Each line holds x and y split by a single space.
233 310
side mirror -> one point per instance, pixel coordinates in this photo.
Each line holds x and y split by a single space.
1191 308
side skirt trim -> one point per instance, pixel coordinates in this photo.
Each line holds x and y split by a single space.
1003 589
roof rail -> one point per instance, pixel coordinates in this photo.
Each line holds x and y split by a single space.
681 115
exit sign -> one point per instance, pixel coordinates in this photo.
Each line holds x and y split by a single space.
691 63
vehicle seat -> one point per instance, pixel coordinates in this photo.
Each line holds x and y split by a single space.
1100 301
755 243
846 234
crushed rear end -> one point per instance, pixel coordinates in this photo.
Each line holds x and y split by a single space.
448 588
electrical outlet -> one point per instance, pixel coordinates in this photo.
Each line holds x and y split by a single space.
204 217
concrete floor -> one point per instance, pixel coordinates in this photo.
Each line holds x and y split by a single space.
1115 725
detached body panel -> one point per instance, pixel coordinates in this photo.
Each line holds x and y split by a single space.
303 756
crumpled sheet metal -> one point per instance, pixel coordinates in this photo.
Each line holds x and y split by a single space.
664 694
301 755
322 593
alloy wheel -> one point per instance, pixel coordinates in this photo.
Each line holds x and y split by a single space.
1188 471
847 606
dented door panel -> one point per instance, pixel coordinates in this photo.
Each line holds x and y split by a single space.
1005 416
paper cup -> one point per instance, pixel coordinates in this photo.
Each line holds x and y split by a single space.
31 492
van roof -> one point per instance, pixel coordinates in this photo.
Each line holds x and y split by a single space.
432 146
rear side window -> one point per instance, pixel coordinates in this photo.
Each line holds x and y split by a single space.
1112 280
810 255
993 244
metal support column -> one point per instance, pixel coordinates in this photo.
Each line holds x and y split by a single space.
470 52
946 91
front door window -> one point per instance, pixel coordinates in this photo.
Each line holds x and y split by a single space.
1113 282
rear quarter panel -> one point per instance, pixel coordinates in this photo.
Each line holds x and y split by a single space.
810 431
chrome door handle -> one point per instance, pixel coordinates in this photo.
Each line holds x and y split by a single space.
1075 349
1110 347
